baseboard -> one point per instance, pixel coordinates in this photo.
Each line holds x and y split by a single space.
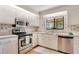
47 48
63 52
32 48
53 49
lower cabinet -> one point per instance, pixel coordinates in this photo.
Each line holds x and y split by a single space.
48 40
76 45
0 49
9 45
34 41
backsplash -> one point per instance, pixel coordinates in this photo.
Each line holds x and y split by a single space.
5 29
74 27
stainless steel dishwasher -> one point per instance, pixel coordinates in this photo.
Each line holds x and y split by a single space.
65 44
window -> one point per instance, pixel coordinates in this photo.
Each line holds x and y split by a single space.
55 23
59 23
50 24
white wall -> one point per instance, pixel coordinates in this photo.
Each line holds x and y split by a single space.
72 15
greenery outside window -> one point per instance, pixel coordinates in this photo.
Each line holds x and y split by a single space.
50 24
55 23
59 23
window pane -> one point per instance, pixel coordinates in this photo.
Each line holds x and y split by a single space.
59 23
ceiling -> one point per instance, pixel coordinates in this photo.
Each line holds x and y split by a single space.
39 8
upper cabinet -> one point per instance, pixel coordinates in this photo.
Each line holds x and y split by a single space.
33 20
7 14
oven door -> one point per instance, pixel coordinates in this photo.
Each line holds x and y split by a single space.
25 42
22 43
28 40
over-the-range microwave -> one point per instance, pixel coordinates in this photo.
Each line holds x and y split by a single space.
21 22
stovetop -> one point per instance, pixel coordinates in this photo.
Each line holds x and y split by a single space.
21 34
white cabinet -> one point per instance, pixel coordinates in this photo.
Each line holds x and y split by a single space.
7 14
76 45
35 39
9 45
48 40
33 20
21 15
0 48
36 21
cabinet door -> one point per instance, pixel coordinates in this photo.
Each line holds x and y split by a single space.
40 39
76 45
49 41
10 46
0 49
53 42
35 41
7 14
36 21
33 20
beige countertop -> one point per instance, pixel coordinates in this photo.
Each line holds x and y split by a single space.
7 36
74 35
58 34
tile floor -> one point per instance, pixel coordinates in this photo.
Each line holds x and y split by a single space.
41 50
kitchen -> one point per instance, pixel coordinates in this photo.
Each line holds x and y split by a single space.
39 29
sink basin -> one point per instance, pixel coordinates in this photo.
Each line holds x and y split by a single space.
71 33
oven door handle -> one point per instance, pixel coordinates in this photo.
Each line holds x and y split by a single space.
30 40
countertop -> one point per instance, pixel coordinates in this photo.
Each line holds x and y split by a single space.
59 34
74 35
7 36
67 35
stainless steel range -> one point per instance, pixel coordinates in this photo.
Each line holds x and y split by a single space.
24 42
24 39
